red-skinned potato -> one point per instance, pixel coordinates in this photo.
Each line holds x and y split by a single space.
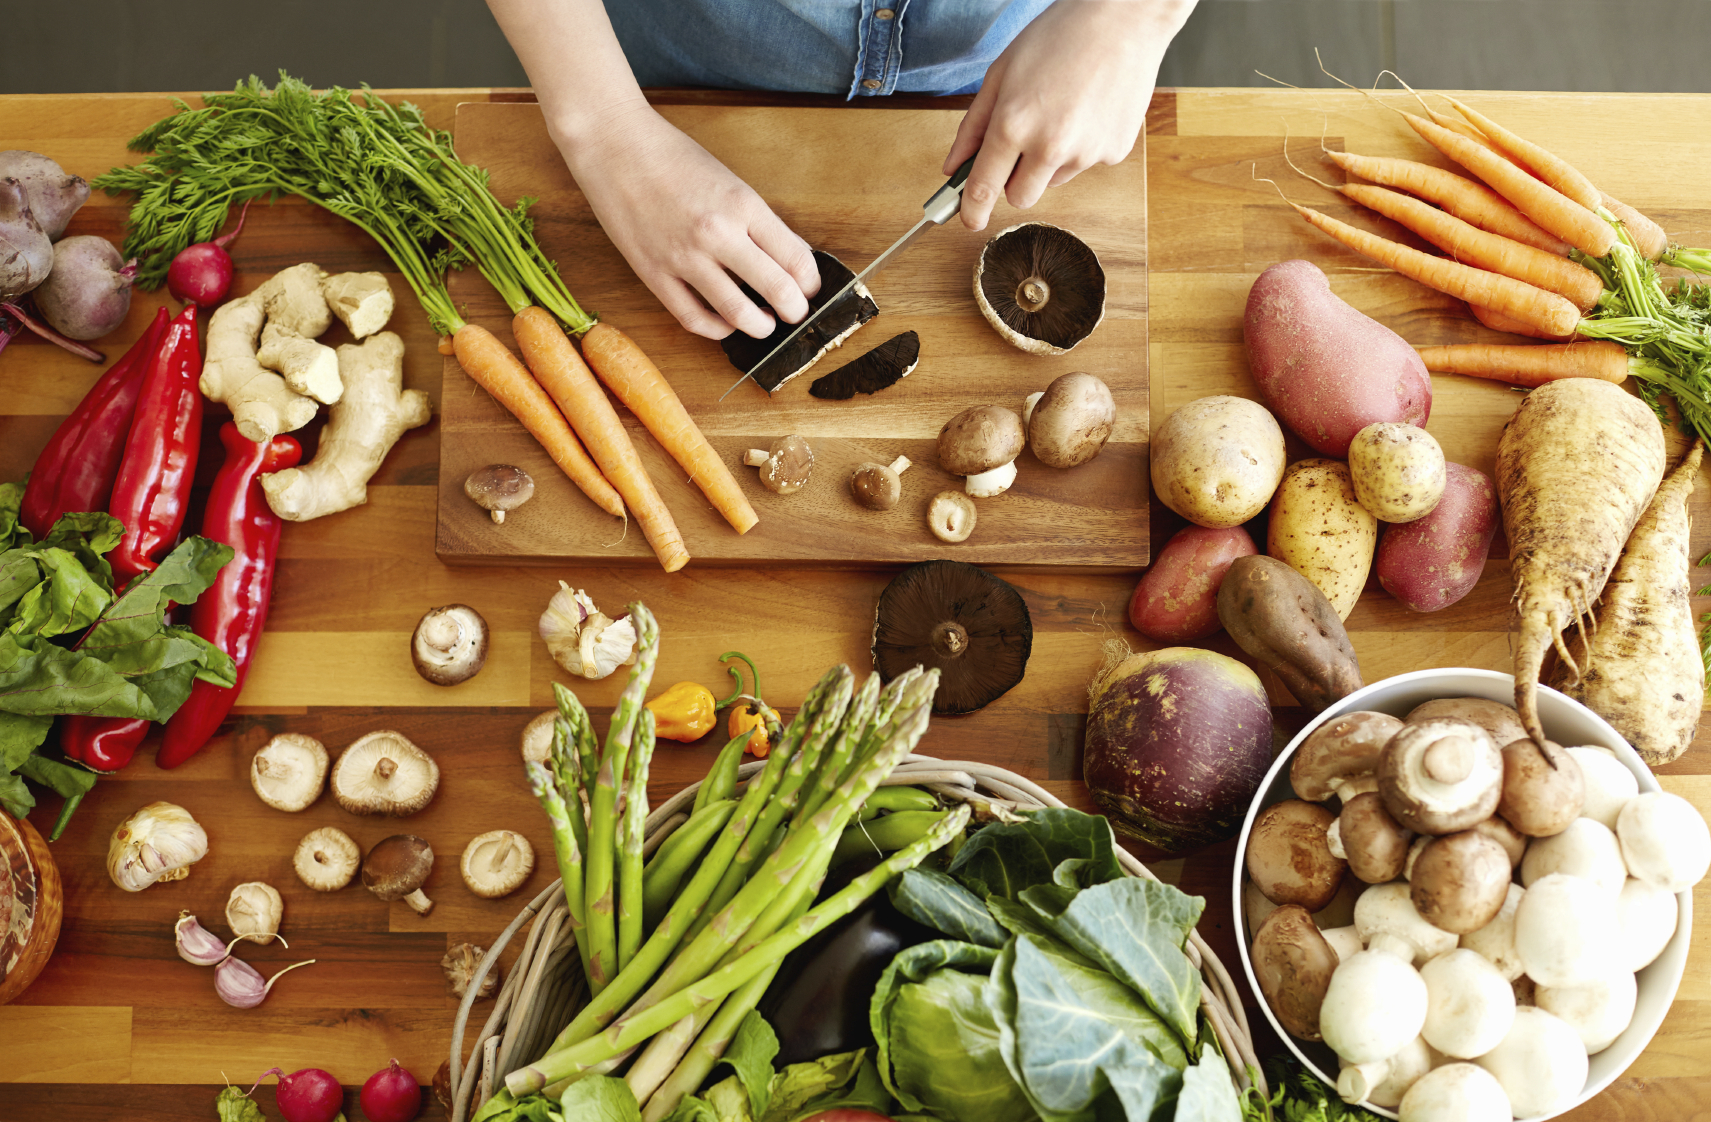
1325 369
1434 561
1177 599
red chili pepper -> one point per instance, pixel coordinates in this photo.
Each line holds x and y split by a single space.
153 486
230 614
104 743
76 469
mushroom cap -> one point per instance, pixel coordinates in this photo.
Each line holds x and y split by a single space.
1338 751
1293 965
1469 1005
499 487
450 644
1566 931
1646 917
1587 849
1072 420
1386 917
1440 776
788 465
1462 1092
1459 883
1513 841
1040 287
1496 718
1496 940
1376 844
826 332
979 439
536 743
383 773
1375 1004
951 516
1664 840
885 365
1384 1082
961 620
289 771
1608 785
1540 1063
1288 857
1599 1011
1540 800
326 859
497 863
876 486
397 866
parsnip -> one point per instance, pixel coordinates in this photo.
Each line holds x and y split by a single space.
1576 466
1644 672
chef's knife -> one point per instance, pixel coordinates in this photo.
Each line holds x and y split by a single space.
938 210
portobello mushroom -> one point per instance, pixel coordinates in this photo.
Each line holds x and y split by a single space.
830 330
885 365
963 621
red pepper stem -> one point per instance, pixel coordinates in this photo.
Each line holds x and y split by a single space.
737 675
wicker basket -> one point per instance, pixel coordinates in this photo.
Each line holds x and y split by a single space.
545 987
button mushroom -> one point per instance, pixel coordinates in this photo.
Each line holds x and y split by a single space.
877 486
498 488
1374 844
1384 1082
1456 1093
1072 420
785 468
1566 931
1440 776
1586 849
450 644
1646 916
1540 798
1341 757
1496 718
460 965
1496 940
536 742
1293 965
1040 287
1375 1004
383 773
496 863
254 910
1469 1005
289 771
1459 882
396 868
981 443
951 516
1599 1010
1664 840
1514 842
1540 1063
1289 859
1387 920
961 620
1608 785
326 859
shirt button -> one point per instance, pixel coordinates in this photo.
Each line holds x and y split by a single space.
870 83
883 13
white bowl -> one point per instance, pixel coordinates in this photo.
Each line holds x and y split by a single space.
1567 722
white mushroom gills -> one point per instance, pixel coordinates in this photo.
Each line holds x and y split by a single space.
289 771
496 863
450 644
326 859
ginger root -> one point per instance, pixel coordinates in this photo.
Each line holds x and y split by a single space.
362 301
362 427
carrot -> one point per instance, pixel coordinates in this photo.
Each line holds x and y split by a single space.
1545 311
639 385
1499 322
561 371
1642 669
1648 237
1539 201
1576 466
1547 165
495 369
1467 243
1472 202
1529 365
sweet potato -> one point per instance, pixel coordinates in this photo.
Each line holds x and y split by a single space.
1643 672
1281 618
1434 561
1576 466
1176 600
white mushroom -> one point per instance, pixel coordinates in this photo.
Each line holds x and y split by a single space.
1384 1082
1541 1063
1469 1005
1344 940
1440 776
254 910
289 771
991 484
1664 840
384 773
536 742
1387 920
1565 930
1375 1005
450 644
1455 1093
1598 1010
1496 940
326 859
1586 849
496 863
1609 785
1646 916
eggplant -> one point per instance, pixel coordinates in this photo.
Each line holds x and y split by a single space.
818 1003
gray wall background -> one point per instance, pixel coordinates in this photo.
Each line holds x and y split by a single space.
146 45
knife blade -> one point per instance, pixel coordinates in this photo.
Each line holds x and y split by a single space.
936 211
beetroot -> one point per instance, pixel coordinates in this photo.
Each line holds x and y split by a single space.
26 254
201 274
391 1095
88 293
310 1095
54 196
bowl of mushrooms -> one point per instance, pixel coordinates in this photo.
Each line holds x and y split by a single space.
1447 921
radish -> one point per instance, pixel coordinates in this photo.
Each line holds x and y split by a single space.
310 1095
201 274
391 1095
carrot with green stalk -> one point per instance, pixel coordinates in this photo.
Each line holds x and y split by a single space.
1468 200
1533 366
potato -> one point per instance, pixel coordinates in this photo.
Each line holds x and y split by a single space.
1398 471
1217 460
1324 368
1434 561
1177 599
1319 529
1279 617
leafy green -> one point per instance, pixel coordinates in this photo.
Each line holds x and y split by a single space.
1003 859
11 501
933 899
235 1106
1208 1094
847 1079
1298 1097
750 1055
600 1098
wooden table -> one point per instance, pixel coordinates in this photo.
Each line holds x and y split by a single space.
118 1026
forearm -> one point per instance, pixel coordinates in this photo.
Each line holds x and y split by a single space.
578 70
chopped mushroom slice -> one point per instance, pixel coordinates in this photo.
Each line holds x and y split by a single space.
326 859
450 644
963 621
289 771
853 309
396 868
1040 287
496 863
383 773
498 488
460 965
885 365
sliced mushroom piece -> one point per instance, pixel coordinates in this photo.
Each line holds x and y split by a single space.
396 868
878 486
384 773
289 771
853 309
326 859
788 464
1071 422
951 516
1040 287
498 488
497 863
460 965
961 620
885 365
450 644
1293 965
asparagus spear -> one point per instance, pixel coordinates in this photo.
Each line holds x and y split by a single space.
580 1058
568 775
587 758
630 891
565 848
855 728
695 1044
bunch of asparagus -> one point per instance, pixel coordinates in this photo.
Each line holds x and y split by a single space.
733 888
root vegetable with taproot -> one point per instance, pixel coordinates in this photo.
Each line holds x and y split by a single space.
1576 467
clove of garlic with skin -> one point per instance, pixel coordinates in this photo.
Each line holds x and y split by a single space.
254 910
582 639
159 842
196 945
239 984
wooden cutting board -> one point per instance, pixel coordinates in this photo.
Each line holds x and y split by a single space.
850 182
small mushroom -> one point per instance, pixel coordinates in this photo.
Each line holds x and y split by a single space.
1071 422
254 910
460 964
326 859
981 442
961 620
877 486
496 863
1646 916
1293 965
1566 931
1387 921
951 516
1459 883
785 468
1586 849
1513 841
1384 1082
1462 1092
1598 1010
1608 785
1341 757
1440 776
1664 840
536 742
1375 1004
1040 287
1374 844
1540 798
498 488
450 644
1496 940
289 771
1540 1063
1469 1005
396 868
1289 859
383 773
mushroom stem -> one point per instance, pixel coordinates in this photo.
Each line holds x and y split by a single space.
419 902
1033 294
506 846
1450 759
385 767
498 515
754 457
1355 1082
900 465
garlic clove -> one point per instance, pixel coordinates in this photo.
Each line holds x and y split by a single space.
239 984
196 944
158 843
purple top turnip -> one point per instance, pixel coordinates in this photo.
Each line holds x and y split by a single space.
201 274
26 254
89 291
54 196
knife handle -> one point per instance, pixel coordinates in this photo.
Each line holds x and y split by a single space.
947 200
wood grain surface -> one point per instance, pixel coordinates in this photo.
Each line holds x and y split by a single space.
118 1026
851 184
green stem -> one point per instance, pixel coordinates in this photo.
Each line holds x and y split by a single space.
630 891
737 676
672 861
545 786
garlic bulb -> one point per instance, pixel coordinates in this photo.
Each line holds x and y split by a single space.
159 842
254 911
583 640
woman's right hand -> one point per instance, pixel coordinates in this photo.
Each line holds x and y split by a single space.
687 224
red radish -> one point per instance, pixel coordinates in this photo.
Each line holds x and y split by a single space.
310 1095
201 274
391 1095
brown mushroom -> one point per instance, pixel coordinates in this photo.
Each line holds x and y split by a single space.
1293 964
770 361
1040 287
1340 757
786 466
1441 776
1289 857
982 442
1374 844
1071 421
449 645
1538 799
877 486
951 516
961 620
1460 881
384 773
1513 841
1496 718
396 868
498 488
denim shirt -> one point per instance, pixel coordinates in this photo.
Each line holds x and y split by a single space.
858 48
